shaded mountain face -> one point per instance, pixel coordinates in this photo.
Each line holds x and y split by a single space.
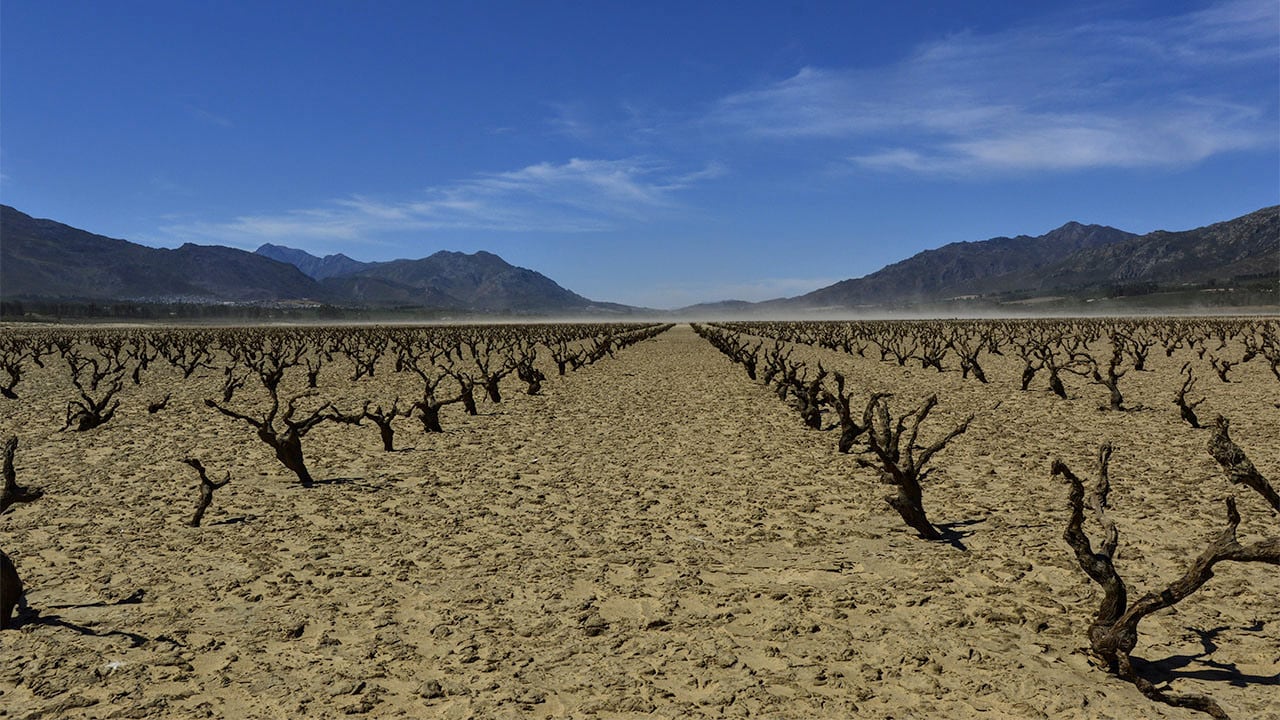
478 281
963 268
49 260
43 259
316 268
1075 259
1248 246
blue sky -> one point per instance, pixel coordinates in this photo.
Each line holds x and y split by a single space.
648 153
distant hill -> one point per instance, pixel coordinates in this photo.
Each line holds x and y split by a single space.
1076 262
316 268
963 268
1247 246
480 282
47 260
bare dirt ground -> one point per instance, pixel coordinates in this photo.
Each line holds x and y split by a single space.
654 536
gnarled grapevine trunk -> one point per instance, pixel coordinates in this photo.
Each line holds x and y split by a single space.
1113 634
288 447
10 591
11 493
207 487
899 464
909 502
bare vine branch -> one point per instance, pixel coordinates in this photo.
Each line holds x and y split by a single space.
1114 631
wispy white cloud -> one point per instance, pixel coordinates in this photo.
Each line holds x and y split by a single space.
570 120
1164 92
162 183
581 195
207 116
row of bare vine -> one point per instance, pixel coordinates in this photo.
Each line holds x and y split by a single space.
1101 351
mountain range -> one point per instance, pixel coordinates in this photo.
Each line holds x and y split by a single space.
1071 264
43 260
47 260
316 268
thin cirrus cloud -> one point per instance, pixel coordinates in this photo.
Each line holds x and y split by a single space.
581 195
204 115
1168 92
